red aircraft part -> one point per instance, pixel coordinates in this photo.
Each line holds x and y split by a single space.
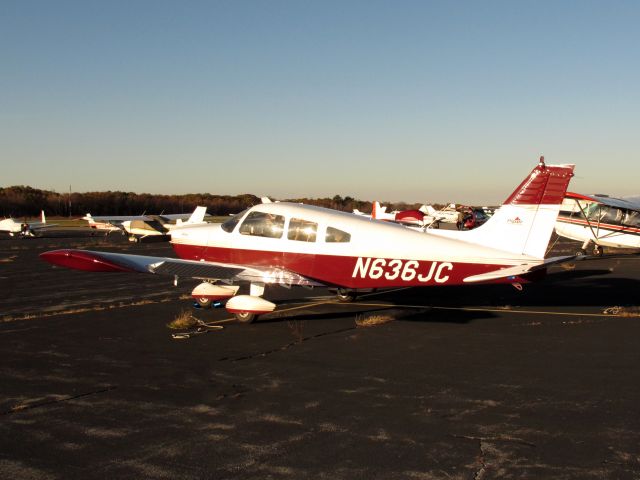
81 260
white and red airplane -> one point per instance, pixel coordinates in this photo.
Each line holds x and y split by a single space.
294 244
415 218
599 220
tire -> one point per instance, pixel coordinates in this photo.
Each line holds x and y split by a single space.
245 317
346 296
581 253
204 302
598 251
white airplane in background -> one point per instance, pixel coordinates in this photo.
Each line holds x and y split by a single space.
139 227
294 244
99 223
24 229
599 220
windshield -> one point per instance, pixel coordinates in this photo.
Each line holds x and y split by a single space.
230 224
262 224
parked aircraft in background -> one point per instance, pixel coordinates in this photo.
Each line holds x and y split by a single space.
412 218
96 223
159 226
599 220
26 228
139 227
294 244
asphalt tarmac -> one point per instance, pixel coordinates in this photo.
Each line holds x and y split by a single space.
472 382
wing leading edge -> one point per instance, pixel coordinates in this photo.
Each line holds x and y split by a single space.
117 262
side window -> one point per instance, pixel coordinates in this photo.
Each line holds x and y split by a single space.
229 224
262 224
592 212
336 236
632 218
302 230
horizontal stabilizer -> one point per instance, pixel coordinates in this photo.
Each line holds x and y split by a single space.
517 270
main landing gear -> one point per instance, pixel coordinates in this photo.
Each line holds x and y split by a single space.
598 251
245 308
345 295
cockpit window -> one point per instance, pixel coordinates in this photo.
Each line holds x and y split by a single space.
229 224
302 230
336 236
262 224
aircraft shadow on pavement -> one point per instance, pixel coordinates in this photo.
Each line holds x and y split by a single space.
587 289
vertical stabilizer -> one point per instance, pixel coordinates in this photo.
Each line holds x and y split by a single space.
44 220
198 215
375 206
525 221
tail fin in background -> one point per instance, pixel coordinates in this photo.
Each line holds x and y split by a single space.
198 215
524 223
44 220
375 206
429 210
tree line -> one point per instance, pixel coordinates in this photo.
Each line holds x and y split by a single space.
21 201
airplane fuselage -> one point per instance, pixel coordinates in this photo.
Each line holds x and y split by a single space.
368 254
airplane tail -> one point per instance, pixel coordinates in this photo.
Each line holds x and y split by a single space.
524 223
375 206
429 210
44 220
198 215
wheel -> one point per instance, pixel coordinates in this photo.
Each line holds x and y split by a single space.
346 296
598 251
204 302
245 317
581 253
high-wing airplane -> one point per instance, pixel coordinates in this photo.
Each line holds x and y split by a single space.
599 219
101 223
139 227
294 244
26 228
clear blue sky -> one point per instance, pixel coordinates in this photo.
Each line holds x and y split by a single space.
392 100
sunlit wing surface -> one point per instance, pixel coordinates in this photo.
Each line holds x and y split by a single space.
117 262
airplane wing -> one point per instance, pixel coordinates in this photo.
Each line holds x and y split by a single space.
118 262
175 216
605 200
517 270
115 219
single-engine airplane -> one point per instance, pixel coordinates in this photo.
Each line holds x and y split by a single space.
26 228
139 227
599 219
294 244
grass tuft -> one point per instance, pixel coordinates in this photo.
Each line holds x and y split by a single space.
373 320
183 320
619 311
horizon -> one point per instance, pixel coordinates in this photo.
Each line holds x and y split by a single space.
420 102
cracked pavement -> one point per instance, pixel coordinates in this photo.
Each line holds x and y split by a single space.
490 383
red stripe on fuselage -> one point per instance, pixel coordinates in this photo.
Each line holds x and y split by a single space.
346 271
600 226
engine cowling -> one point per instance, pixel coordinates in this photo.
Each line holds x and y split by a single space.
212 292
249 304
